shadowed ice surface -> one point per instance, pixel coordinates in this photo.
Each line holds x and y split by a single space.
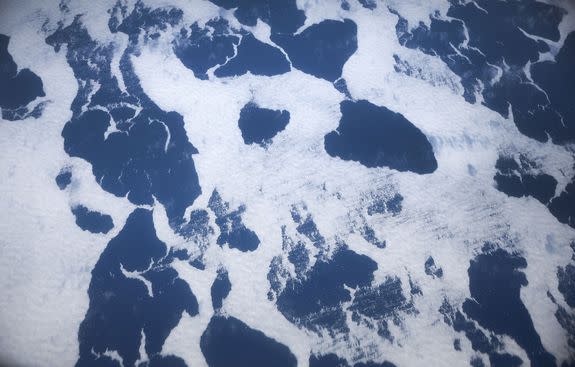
495 281
135 296
233 232
332 360
148 155
17 87
489 45
282 16
199 49
92 221
63 179
377 137
330 246
259 125
227 341
322 49
220 289
255 57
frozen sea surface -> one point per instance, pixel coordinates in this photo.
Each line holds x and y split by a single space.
336 183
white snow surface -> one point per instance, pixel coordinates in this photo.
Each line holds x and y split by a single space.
46 260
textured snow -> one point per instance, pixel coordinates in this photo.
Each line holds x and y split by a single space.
46 260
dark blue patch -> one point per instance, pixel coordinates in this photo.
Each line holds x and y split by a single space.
566 278
150 157
332 360
532 113
232 229
368 4
563 206
197 226
431 269
63 179
504 39
457 344
374 306
476 362
198 264
567 321
518 181
22 113
315 300
504 360
307 227
120 307
322 49
17 87
229 342
92 221
496 40
260 125
393 205
373 364
275 276
176 254
558 80
495 282
377 137
414 290
199 49
256 57
456 319
382 206
220 289
298 254
299 257
368 234
164 361
341 86
282 16
327 360
143 18
122 113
